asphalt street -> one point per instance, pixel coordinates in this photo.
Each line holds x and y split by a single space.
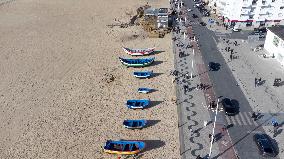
225 85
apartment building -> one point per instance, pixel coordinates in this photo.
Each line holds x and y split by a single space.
274 43
255 13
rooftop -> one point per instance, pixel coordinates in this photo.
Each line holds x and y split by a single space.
278 30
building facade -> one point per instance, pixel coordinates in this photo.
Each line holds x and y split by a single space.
243 13
274 43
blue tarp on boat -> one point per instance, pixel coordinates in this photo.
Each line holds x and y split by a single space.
138 103
134 124
143 74
137 62
124 147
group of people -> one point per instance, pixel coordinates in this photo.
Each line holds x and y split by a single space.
202 86
228 48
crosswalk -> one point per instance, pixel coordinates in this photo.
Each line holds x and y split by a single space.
220 34
242 118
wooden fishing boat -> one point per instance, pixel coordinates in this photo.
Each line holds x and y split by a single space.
134 124
136 62
144 90
137 103
123 147
138 52
143 74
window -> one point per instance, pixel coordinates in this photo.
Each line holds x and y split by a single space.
275 41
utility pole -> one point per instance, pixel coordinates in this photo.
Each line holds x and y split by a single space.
212 138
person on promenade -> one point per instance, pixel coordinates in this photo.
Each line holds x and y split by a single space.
198 157
255 82
231 57
254 116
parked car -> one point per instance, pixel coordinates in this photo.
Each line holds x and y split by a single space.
202 23
236 30
259 34
214 66
260 30
265 145
194 16
230 106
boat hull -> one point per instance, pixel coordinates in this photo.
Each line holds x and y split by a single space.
137 104
136 62
134 124
138 52
144 90
143 74
124 147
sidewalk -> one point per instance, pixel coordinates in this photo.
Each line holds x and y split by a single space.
192 104
265 99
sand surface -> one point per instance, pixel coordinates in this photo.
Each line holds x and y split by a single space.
56 60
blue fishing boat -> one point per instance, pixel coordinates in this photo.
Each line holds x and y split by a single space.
123 147
134 124
138 103
143 74
144 90
136 62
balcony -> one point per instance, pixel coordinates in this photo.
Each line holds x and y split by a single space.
263 13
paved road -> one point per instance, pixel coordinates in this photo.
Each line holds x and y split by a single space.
224 85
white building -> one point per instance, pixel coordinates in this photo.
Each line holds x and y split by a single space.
256 13
274 42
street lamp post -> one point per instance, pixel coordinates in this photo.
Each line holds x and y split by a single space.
191 74
212 138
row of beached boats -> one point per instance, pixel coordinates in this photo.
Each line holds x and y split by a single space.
129 147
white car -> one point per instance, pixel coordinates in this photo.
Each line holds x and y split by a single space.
236 30
189 10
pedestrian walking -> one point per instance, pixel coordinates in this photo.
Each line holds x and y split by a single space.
231 57
259 80
205 123
210 136
255 82
213 104
201 86
198 157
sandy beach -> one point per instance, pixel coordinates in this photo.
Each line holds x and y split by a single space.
57 96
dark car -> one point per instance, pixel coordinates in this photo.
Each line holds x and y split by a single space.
213 66
194 16
259 34
264 144
202 23
230 106
260 30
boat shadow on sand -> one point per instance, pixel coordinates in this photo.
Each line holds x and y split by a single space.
155 63
156 75
156 52
153 144
151 123
153 104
